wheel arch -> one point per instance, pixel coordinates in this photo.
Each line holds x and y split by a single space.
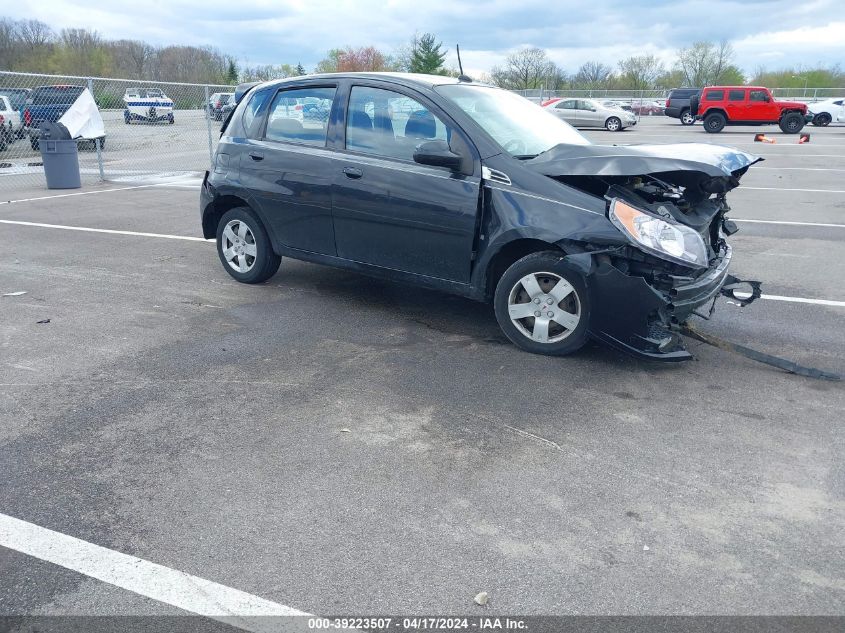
710 111
509 253
215 210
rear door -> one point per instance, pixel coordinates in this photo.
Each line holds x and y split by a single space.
566 110
390 211
287 168
737 104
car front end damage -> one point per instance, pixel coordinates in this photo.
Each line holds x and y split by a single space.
670 204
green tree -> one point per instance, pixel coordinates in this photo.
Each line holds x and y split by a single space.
639 72
427 56
300 70
232 72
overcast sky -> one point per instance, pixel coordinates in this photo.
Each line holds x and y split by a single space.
770 33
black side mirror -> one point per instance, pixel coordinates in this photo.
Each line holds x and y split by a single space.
437 154
767 98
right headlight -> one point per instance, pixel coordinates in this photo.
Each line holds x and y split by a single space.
673 242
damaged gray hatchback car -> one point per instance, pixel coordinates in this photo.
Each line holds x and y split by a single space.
471 189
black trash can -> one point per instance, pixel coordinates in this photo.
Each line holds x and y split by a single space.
60 156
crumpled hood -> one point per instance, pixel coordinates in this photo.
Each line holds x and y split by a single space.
636 160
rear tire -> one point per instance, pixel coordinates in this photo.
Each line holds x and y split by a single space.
687 117
543 283
822 120
792 123
244 247
714 122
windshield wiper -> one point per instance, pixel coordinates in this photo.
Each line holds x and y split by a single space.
525 156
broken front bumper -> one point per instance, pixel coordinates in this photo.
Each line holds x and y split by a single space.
634 316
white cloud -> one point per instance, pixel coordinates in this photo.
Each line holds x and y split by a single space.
291 31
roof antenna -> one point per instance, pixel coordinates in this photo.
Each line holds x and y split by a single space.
462 76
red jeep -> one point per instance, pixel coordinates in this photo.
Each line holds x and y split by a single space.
719 106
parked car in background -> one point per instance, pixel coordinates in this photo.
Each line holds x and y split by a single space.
49 103
17 97
436 182
719 106
678 104
615 103
584 113
216 102
828 111
11 126
647 107
147 104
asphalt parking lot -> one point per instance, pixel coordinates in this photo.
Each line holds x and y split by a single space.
338 444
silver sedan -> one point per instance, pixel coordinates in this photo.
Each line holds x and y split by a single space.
592 113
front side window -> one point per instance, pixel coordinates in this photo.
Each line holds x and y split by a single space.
715 95
757 95
387 123
520 127
286 121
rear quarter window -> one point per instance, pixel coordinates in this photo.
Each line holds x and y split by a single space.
254 112
715 95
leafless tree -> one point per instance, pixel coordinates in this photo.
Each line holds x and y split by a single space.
593 75
528 68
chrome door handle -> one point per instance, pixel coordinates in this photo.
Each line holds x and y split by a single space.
352 172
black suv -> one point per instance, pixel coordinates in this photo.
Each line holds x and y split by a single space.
678 104
470 189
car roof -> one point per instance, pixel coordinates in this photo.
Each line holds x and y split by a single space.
736 88
414 80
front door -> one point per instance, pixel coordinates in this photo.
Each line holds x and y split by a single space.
390 211
588 115
761 106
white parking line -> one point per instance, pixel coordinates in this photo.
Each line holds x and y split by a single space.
785 189
758 168
200 239
170 586
838 226
111 231
820 302
79 193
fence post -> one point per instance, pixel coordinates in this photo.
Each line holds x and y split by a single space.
208 125
97 142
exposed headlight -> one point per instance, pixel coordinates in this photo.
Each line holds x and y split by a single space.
675 242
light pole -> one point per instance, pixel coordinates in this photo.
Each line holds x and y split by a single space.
806 79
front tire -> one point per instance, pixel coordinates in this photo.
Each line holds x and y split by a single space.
822 119
542 305
792 123
613 124
687 118
715 122
244 247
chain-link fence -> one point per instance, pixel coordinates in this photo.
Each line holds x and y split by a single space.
153 130
158 130
660 94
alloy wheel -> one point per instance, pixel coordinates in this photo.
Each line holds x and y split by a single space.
544 307
238 246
